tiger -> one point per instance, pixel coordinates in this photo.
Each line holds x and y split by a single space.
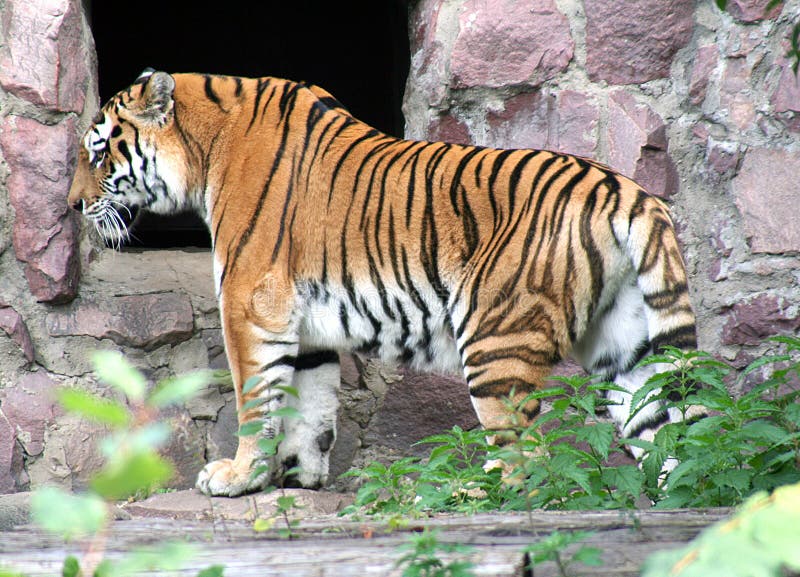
330 236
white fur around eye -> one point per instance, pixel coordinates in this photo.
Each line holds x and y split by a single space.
97 137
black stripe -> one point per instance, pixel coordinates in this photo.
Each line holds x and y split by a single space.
344 319
683 337
660 418
665 298
347 152
312 360
333 104
456 182
285 360
210 94
254 219
430 238
263 84
500 388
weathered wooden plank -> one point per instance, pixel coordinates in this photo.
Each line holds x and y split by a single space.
336 547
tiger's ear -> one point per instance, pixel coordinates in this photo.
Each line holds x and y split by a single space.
157 102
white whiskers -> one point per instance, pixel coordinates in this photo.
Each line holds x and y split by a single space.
107 220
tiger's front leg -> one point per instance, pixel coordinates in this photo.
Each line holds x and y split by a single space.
310 432
262 344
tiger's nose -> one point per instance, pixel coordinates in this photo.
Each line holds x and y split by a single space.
78 205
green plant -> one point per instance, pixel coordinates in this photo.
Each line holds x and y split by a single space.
562 457
761 540
422 557
746 444
554 547
285 504
451 478
133 467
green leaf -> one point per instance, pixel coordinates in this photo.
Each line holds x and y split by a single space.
761 361
737 479
104 569
251 428
128 475
251 384
285 503
269 446
66 514
114 369
71 567
178 390
590 556
261 524
627 478
213 571
288 390
763 431
253 404
285 413
598 436
94 408
148 438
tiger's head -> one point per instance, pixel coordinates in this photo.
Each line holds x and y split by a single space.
131 159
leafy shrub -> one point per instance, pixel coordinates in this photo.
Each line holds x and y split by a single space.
561 461
746 444
133 467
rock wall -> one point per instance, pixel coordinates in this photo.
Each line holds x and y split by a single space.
698 105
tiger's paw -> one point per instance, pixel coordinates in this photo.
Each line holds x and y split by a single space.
230 478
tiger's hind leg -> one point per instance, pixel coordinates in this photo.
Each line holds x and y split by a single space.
507 353
614 343
304 454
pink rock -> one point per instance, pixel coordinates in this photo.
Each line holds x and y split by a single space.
705 62
29 407
750 322
735 95
752 10
633 42
42 53
786 97
8 448
502 42
768 212
564 122
447 128
523 122
419 406
14 326
723 159
578 116
637 142
41 159
143 321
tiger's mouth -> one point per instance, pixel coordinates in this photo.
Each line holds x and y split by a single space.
112 219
